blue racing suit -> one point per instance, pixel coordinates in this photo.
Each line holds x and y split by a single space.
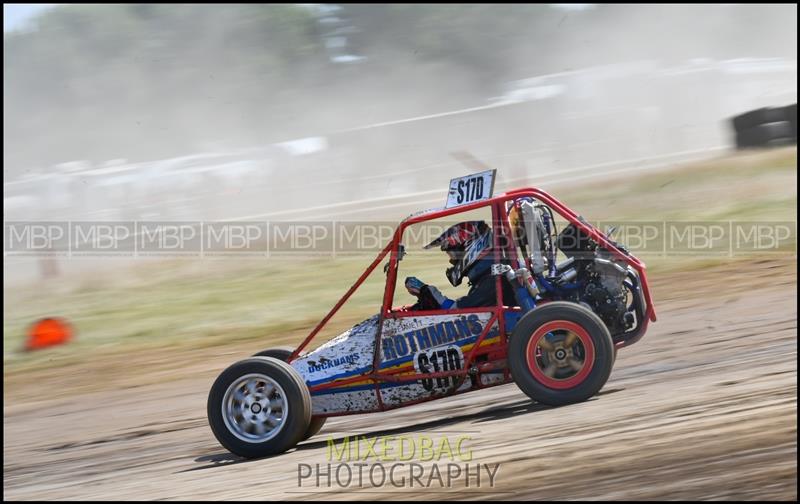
482 291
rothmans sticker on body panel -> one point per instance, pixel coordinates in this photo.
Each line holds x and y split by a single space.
470 188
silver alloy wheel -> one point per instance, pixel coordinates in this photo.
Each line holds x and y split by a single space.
254 408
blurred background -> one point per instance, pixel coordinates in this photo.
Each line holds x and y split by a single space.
361 112
212 111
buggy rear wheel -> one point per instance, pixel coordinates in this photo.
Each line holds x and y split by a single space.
560 353
281 353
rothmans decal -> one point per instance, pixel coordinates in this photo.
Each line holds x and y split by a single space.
442 333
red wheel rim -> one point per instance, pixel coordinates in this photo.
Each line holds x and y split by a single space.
564 359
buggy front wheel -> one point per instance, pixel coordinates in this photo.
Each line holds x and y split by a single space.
282 353
259 406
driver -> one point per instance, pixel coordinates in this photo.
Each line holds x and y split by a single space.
469 246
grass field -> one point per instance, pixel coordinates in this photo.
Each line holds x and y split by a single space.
160 306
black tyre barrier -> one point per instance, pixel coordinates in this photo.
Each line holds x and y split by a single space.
791 116
766 135
757 117
766 127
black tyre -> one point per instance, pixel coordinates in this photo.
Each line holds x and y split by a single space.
282 353
314 427
259 406
560 353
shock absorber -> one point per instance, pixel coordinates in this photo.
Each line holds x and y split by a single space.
551 260
525 289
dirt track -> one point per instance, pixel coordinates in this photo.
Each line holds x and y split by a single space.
704 407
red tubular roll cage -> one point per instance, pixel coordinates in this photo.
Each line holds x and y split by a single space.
500 223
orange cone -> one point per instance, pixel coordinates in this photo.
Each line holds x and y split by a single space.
48 332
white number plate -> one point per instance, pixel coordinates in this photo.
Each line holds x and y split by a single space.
471 188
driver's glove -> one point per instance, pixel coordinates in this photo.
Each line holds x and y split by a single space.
414 285
430 298
431 292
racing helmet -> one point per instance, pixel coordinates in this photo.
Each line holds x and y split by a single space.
465 243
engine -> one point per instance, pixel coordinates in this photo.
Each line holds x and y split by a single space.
598 278
592 275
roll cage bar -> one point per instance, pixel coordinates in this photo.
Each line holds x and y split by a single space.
504 250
